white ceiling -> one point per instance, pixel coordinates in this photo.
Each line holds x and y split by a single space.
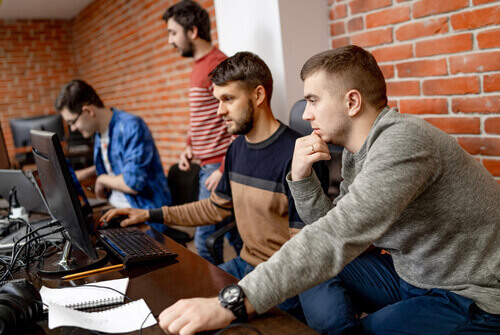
41 9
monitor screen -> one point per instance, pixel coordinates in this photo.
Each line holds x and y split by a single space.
4 155
21 127
59 189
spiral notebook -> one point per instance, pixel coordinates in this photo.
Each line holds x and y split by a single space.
88 296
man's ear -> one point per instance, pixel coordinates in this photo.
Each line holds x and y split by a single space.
353 101
192 33
259 95
90 109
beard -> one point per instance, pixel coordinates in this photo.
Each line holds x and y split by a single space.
188 51
245 124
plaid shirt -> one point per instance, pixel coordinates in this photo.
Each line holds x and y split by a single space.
132 152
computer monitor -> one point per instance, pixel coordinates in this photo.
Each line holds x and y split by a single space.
21 127
63 202
4 155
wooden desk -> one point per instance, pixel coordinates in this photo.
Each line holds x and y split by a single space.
162 284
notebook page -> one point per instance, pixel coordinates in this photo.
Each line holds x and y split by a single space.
126 318
86 297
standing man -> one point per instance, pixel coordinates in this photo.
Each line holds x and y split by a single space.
408 188
126 161
253 183
188 27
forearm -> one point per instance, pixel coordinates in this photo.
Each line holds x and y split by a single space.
310 200
198 213
86 173
116 183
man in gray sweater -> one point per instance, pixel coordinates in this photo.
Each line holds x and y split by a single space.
408 188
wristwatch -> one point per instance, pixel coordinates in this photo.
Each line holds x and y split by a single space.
231 297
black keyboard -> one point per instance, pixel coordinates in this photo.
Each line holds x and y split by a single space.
132 245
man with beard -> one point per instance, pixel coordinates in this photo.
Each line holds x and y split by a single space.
253 184
188 27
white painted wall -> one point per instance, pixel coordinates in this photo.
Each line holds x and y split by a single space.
284 33
254 25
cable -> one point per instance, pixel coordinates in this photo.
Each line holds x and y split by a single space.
10 267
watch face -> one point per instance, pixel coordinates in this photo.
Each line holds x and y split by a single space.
231 294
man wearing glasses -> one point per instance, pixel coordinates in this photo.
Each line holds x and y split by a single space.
126 161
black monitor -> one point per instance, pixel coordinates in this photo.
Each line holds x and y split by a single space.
21 127
63 202
4 155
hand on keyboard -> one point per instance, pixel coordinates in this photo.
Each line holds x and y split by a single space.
133 216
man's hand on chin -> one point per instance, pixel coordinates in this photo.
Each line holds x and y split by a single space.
190 316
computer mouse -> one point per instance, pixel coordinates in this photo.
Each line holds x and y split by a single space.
113 223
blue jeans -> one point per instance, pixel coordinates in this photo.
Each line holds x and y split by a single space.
202 233
238 268
370 284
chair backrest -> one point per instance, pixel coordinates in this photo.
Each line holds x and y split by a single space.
184 185
296 121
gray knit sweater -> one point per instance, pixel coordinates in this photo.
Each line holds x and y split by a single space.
412 190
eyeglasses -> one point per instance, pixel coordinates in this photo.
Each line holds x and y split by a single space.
72 122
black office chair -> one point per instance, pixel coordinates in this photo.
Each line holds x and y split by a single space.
183 186
304 128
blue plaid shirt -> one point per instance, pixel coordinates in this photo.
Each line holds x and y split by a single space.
132 152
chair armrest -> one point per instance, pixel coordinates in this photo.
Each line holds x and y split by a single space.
212 239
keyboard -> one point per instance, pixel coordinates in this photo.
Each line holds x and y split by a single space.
132 245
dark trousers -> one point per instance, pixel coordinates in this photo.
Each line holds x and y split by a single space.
370 284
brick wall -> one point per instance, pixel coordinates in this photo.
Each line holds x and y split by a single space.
36 59
441 59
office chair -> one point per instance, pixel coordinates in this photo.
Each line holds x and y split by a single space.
184 186
304 128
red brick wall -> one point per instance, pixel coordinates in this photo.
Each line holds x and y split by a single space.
441 59
36 59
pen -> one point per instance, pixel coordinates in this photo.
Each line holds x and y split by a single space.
92 272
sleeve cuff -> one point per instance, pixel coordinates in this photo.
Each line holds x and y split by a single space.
156 215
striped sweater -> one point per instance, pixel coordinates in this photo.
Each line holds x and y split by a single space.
207 134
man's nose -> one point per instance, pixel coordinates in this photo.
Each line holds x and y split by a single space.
307 115
221 110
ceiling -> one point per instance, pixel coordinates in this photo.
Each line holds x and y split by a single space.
41 9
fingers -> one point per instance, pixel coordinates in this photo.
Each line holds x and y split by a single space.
308 150
213 180
114 212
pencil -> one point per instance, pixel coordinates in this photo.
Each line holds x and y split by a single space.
93 272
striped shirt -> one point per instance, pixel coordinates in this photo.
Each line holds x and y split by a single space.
207 134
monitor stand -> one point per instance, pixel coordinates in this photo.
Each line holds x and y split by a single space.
71 260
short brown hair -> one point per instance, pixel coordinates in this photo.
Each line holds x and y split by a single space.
246 68
76 94
355 68
190 14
